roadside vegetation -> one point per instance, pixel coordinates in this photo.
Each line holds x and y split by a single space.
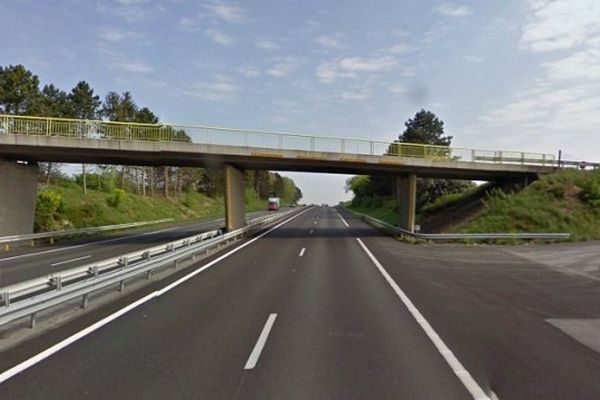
63 205
567 201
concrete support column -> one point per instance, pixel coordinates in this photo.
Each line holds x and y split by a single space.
18 195
406 193
235 212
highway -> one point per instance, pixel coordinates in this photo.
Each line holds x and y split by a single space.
30 262
324 307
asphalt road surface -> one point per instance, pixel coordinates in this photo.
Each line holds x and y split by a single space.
324 307
27 263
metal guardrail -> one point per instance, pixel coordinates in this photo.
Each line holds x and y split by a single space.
35 295
81 231
458 236
94 129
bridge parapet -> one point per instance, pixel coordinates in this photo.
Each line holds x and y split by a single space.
267 140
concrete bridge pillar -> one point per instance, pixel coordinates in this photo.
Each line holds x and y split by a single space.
406 193
18 195
235 198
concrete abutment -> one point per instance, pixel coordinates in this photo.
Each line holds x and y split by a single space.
18 196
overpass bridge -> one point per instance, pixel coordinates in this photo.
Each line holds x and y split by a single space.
26 140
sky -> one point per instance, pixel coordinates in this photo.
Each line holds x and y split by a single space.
502 74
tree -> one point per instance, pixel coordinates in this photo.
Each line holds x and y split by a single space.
19 90
53 102
425 128
145 116
84 105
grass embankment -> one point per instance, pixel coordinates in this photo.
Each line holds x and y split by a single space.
567 201
384 210
64 205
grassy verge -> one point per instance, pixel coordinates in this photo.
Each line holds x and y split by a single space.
568 201
63 206
384 210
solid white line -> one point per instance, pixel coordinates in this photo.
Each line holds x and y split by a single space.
260 344
9 373
302 252
343 220
463 375
69 261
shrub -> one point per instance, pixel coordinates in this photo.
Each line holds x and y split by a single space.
49 206
117 197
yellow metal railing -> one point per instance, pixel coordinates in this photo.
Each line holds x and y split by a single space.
95 129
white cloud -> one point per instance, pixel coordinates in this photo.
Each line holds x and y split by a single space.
333 40
221 89
452 10
282 66
114 35
359 64
560 24
130 10
580 65
329 71
350 67
474 59
560 107
218 37
190 24
226 12
132 66
352 95
401 48
266 44
249 71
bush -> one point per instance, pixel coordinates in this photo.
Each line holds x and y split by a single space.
49 206
117 197
190 200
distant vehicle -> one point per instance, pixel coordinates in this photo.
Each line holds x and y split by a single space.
274 204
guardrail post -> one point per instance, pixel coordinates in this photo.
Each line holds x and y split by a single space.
32 320
121 286
371 145
124 261
85 301
57 281
5 299
148 274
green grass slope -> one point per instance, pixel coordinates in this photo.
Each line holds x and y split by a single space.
568 201
63 205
